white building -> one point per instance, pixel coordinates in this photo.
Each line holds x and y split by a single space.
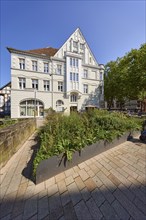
65 79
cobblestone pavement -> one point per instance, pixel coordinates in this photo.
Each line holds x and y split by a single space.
109 186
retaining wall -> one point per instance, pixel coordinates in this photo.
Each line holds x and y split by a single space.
13 137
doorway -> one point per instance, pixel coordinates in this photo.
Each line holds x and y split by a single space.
73 108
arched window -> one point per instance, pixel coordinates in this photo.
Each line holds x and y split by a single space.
59 106
73 98
31 108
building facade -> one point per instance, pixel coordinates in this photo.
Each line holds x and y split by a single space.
5 99
66 79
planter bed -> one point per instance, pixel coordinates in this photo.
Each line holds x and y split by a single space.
57 164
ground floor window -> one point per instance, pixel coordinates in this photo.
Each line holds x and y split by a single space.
31 107
59 106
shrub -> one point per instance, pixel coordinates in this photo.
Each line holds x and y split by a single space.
67 134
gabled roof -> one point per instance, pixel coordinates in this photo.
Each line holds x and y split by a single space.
48 51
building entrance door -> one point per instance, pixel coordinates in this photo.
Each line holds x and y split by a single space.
73 108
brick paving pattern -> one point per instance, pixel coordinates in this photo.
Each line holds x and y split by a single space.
109 186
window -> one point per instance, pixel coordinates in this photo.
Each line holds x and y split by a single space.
22 83
77 63
74 62
22 64
85 75
59 69
70 76
82 46
34 65
85 88
100 90
46 68
70 61
34 83
74 76
77 77
59 106
73 98
46 85
75 44
60 86
100 75
28 108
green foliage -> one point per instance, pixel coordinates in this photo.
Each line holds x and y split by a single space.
67 134
125 78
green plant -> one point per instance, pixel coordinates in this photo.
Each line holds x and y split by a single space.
67 134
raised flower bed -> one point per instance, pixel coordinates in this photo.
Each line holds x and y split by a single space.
69 140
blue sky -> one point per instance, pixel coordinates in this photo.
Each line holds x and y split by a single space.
111 28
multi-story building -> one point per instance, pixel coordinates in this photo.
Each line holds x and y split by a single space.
5 96
65 79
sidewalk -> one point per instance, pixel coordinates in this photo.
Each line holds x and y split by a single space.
110 186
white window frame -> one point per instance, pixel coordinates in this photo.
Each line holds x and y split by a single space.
46 67
85 88
35 84
101 76
60 86
85 74
22 63
59 69
46 85
22 83
73 98
34 65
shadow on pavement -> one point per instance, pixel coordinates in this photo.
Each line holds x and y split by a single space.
89 203
27 172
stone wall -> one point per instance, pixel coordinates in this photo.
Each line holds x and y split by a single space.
13 137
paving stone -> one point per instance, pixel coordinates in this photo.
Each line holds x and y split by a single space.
94 168
122 213
69 172
137 192
122 172
7 204
82 165
90 184
94 210
128 205
140 205
91 173
85 194
43 193
106 181
108 212
114 179
69 212
30 208
98 197
55 207
74 193
39 187
61 186
83 174
107 194
8 217
52 190
43 207
98 182
50 182
79 183
82 211
127 192
65 198
69 180
60 177
120 177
